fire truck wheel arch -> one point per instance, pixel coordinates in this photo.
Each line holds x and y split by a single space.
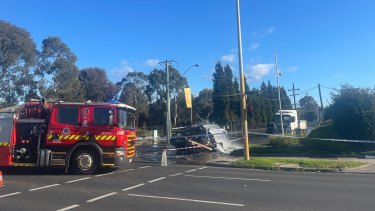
84 145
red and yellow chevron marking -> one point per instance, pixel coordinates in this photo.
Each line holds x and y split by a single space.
4 144
131 136
83 137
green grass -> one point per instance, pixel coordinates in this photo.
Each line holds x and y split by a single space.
274 163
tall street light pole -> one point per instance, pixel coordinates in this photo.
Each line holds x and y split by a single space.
168 121
278 89
243 96
191 109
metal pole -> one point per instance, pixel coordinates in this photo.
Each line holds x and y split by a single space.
278 88
168 103
321 101
245 134
294 97
191 111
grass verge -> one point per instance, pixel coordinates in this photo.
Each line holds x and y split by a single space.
275 163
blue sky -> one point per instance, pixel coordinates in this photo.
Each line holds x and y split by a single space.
330 42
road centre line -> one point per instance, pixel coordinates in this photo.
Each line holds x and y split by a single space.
71 181
48 186
126 170
191 200
191 170
203 168
100 197
10 194
161 178
228 178
100 175
132 187
68 208
143 167
173 175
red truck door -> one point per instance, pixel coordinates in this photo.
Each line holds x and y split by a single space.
6 137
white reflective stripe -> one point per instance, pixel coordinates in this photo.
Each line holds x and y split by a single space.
68 208
100 197
192 200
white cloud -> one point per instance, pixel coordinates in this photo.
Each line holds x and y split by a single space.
270 30
152 62
291 69
228 58
258 71
123 70
253 46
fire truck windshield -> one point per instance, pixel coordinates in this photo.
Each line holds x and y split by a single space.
125 118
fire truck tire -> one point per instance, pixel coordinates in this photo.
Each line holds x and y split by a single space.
85 161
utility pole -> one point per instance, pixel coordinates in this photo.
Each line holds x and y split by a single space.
191 110
245 133
321 102
168 122
294 96
278 88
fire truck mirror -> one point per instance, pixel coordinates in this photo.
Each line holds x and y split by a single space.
111 123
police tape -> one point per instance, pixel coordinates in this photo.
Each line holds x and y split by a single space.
322 139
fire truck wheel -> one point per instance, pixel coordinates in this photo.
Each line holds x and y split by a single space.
85 161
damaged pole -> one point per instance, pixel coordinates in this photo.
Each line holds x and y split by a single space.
245 134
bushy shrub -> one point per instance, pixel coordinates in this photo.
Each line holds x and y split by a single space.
283 142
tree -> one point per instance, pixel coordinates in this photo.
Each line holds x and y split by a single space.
220 99
134 95
156 88
58 62
203 104
353 112
17 58
96 85
309 108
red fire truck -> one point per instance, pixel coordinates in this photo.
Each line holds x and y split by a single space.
82 137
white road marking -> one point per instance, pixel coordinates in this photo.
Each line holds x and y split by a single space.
126 170
132 187
144 167
48 186
228 178
100 175
202 168
191 170
192 200
156 179
68 208
100 197
173 175
71 181
10 194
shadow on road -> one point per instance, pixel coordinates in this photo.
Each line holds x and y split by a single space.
44 171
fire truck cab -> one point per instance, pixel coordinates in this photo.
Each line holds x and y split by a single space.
82 137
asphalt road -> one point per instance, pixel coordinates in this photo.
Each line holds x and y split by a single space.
189 187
